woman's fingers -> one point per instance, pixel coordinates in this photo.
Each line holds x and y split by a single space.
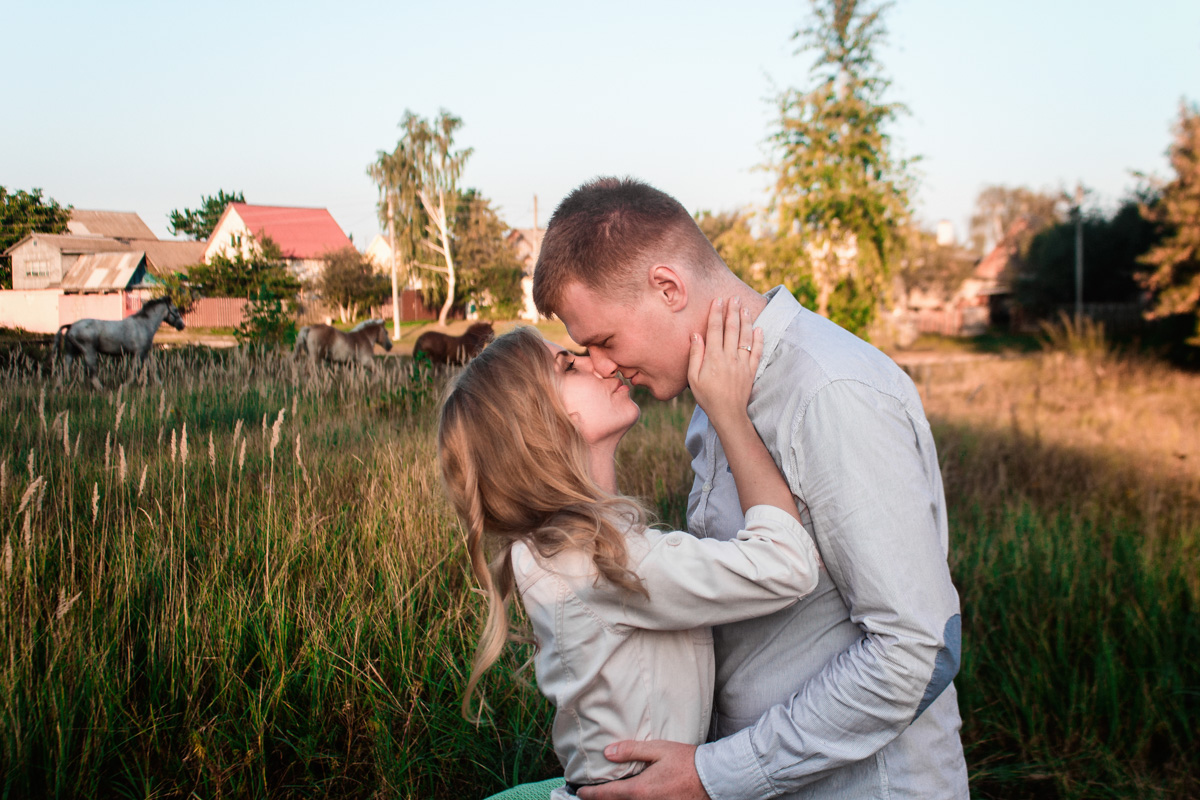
733 321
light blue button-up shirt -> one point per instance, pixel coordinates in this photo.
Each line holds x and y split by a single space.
848 693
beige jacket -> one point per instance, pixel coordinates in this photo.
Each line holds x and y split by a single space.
618 666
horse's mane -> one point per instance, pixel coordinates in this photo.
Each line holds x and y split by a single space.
365 324
480 330
144 311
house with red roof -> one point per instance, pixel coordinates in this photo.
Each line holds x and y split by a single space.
305 235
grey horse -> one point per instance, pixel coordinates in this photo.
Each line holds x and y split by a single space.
132 336
355 347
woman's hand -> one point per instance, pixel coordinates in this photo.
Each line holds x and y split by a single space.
721 366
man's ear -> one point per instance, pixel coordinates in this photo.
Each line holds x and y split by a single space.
668 285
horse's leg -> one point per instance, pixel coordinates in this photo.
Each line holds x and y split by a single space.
93 368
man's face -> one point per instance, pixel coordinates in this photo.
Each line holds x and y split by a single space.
644 340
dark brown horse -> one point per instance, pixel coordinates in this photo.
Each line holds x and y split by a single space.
356 347
445 349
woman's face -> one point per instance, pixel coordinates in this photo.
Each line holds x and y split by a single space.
601 408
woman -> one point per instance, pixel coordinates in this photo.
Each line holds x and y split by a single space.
620 612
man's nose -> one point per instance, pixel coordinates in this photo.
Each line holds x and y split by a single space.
603 366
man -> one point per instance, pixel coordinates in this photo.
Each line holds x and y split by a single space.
848 693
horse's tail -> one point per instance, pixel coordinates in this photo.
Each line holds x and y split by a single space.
301 343
58 342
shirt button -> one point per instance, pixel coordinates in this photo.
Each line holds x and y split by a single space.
674 539
707 487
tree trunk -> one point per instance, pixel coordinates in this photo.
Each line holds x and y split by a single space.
444 228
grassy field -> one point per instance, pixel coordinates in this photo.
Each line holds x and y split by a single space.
246 583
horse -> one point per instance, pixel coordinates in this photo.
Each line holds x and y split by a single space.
445 349
132 336
355 347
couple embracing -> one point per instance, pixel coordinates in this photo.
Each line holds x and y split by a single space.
801 638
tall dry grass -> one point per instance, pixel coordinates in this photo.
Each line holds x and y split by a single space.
246 582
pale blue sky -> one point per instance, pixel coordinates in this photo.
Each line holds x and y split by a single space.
146 106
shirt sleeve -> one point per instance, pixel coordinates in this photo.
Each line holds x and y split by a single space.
872 485
693 582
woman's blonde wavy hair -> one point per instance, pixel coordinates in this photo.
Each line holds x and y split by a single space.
516 470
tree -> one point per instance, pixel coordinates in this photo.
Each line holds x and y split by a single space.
840 195
249 272
426 166
400 211
350 281
488 267
1113 246
197 224
1174 274
23 213
1012 215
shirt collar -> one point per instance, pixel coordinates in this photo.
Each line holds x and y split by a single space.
774 320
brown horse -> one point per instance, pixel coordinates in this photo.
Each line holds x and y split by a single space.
355 347
445 349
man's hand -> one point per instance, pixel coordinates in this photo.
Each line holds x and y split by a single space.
671 774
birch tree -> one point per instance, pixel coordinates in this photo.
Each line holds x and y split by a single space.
420 178
400 212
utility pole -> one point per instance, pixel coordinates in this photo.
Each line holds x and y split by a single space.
395 280
1078 212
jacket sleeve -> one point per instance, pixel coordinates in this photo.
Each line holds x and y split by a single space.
872 485
694 582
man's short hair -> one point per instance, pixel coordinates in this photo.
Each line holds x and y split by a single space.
606 232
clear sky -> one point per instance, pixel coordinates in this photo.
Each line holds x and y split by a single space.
146 106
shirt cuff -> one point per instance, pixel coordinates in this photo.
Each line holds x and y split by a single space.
729 769
766 514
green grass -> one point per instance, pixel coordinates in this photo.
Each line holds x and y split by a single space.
300 624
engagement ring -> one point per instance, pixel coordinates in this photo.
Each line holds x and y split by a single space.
744 347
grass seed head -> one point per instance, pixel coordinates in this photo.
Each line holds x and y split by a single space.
27 533
29 463
120 414
121 463
95 501
107 449
183 448
173 445
67 434
142 480
212 451
275 431
242 456
65 603
25 498
42 408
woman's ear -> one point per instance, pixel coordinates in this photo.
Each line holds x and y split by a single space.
668 285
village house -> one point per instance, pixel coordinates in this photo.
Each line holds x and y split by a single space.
527 243
304 235
102 268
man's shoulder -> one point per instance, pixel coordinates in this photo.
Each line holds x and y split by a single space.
813 352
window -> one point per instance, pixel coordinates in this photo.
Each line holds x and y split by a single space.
37 268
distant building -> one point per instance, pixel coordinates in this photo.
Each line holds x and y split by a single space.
304 235
527 244
72 261
114 224
102 268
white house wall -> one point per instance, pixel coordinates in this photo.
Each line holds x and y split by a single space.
40 256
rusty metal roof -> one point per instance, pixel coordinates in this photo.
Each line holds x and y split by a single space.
118 224
164 255
105 272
